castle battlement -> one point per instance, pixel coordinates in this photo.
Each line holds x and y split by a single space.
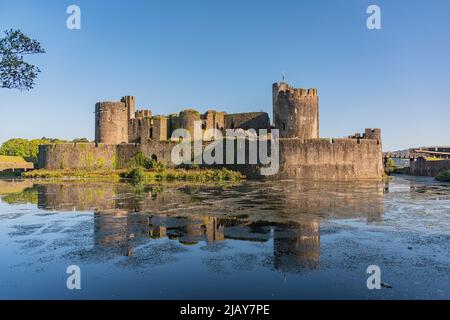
143 114
283 88
295 111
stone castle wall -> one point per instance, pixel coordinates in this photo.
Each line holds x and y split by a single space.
100 156
77 156
248 120
318 159
422 167
334 160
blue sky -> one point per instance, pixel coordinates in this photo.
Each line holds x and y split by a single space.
225 55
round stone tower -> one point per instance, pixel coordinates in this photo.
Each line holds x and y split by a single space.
295 111
111 122
187 120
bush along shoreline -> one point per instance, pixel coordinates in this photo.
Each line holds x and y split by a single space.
139 174
142 169
443 176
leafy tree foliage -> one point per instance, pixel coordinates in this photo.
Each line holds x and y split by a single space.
15 73
29 149
82 140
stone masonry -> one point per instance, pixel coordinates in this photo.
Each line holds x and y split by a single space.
121 132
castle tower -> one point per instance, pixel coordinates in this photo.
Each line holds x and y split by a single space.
374 134
213 120
130 105
111 122
159 128
187 120
295 111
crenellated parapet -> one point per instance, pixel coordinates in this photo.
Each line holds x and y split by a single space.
374 134
295 111
139 114
369 134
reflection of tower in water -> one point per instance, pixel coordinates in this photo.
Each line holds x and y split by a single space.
297 246
215 230
118 229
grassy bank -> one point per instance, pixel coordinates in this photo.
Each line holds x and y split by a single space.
139 174
12 159
198 175
73 174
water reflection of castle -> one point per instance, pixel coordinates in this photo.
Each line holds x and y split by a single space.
296 245
288 214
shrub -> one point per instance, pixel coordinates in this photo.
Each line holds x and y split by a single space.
136 174
390 166
443 176
157 166
141 160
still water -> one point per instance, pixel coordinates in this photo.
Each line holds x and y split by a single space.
253 240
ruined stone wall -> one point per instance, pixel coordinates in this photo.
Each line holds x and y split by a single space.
374 134
187 120
213 120
143 114
422 167
111 122
318 159
295 111
159 129
130 105
77 156
159 150
334 160
173 123
248 120
139 130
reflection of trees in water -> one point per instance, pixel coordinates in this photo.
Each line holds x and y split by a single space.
18 192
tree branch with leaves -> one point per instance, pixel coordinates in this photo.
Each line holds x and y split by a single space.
15 73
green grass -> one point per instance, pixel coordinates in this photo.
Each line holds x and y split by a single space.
197 175
12 159
71 173
140 175
443 176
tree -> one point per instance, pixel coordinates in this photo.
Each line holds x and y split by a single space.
27 149
15 73
80 140
390 165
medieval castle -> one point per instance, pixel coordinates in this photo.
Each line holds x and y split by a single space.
121 131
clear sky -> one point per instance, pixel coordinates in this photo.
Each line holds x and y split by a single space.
225 55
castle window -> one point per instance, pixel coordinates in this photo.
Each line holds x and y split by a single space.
151 132
154 157
284 126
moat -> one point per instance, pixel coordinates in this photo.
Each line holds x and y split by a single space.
251 240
